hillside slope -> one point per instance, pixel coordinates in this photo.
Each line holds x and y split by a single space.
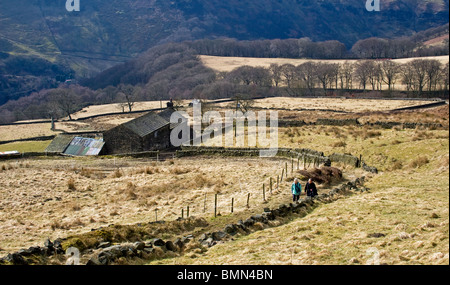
42 43
402 219
105 32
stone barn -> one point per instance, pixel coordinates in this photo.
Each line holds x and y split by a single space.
150 132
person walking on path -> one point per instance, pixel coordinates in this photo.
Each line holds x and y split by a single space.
296 190
311 189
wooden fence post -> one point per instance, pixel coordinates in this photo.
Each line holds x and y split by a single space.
204 206
282 173
187 214
292 166
182 213
278 181
248 200
232 205
271 186
215 206
264 192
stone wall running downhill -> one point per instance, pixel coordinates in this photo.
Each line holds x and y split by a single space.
346 159
305 156
106 253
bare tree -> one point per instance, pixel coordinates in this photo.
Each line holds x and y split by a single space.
241 75
290 75
129 94
419 69
407 76
307 73
261 76
275 69
363 72
375 74
326 74
244 102
346 75
64 100
433 72
390 72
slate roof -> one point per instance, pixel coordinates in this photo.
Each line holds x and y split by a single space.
166 114
146 124
60 143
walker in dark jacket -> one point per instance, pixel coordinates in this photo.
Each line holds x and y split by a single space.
311 189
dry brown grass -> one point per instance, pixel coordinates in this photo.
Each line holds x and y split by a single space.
396 165
117 173
339 104
57 196
71 184
15 132
419 162
339 144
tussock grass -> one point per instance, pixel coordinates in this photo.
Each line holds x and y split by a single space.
71 184
396 165
419 162
147 170
179 170
117 173
339 144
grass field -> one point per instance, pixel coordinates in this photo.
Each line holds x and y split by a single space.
17 132
93 192
337 104
354 106
403 219
37 146
227 64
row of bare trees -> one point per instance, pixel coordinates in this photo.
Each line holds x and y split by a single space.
309 78
416 75
370 48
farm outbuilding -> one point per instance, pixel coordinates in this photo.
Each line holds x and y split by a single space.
76 145
149 132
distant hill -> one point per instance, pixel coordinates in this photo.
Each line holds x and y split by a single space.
105 33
